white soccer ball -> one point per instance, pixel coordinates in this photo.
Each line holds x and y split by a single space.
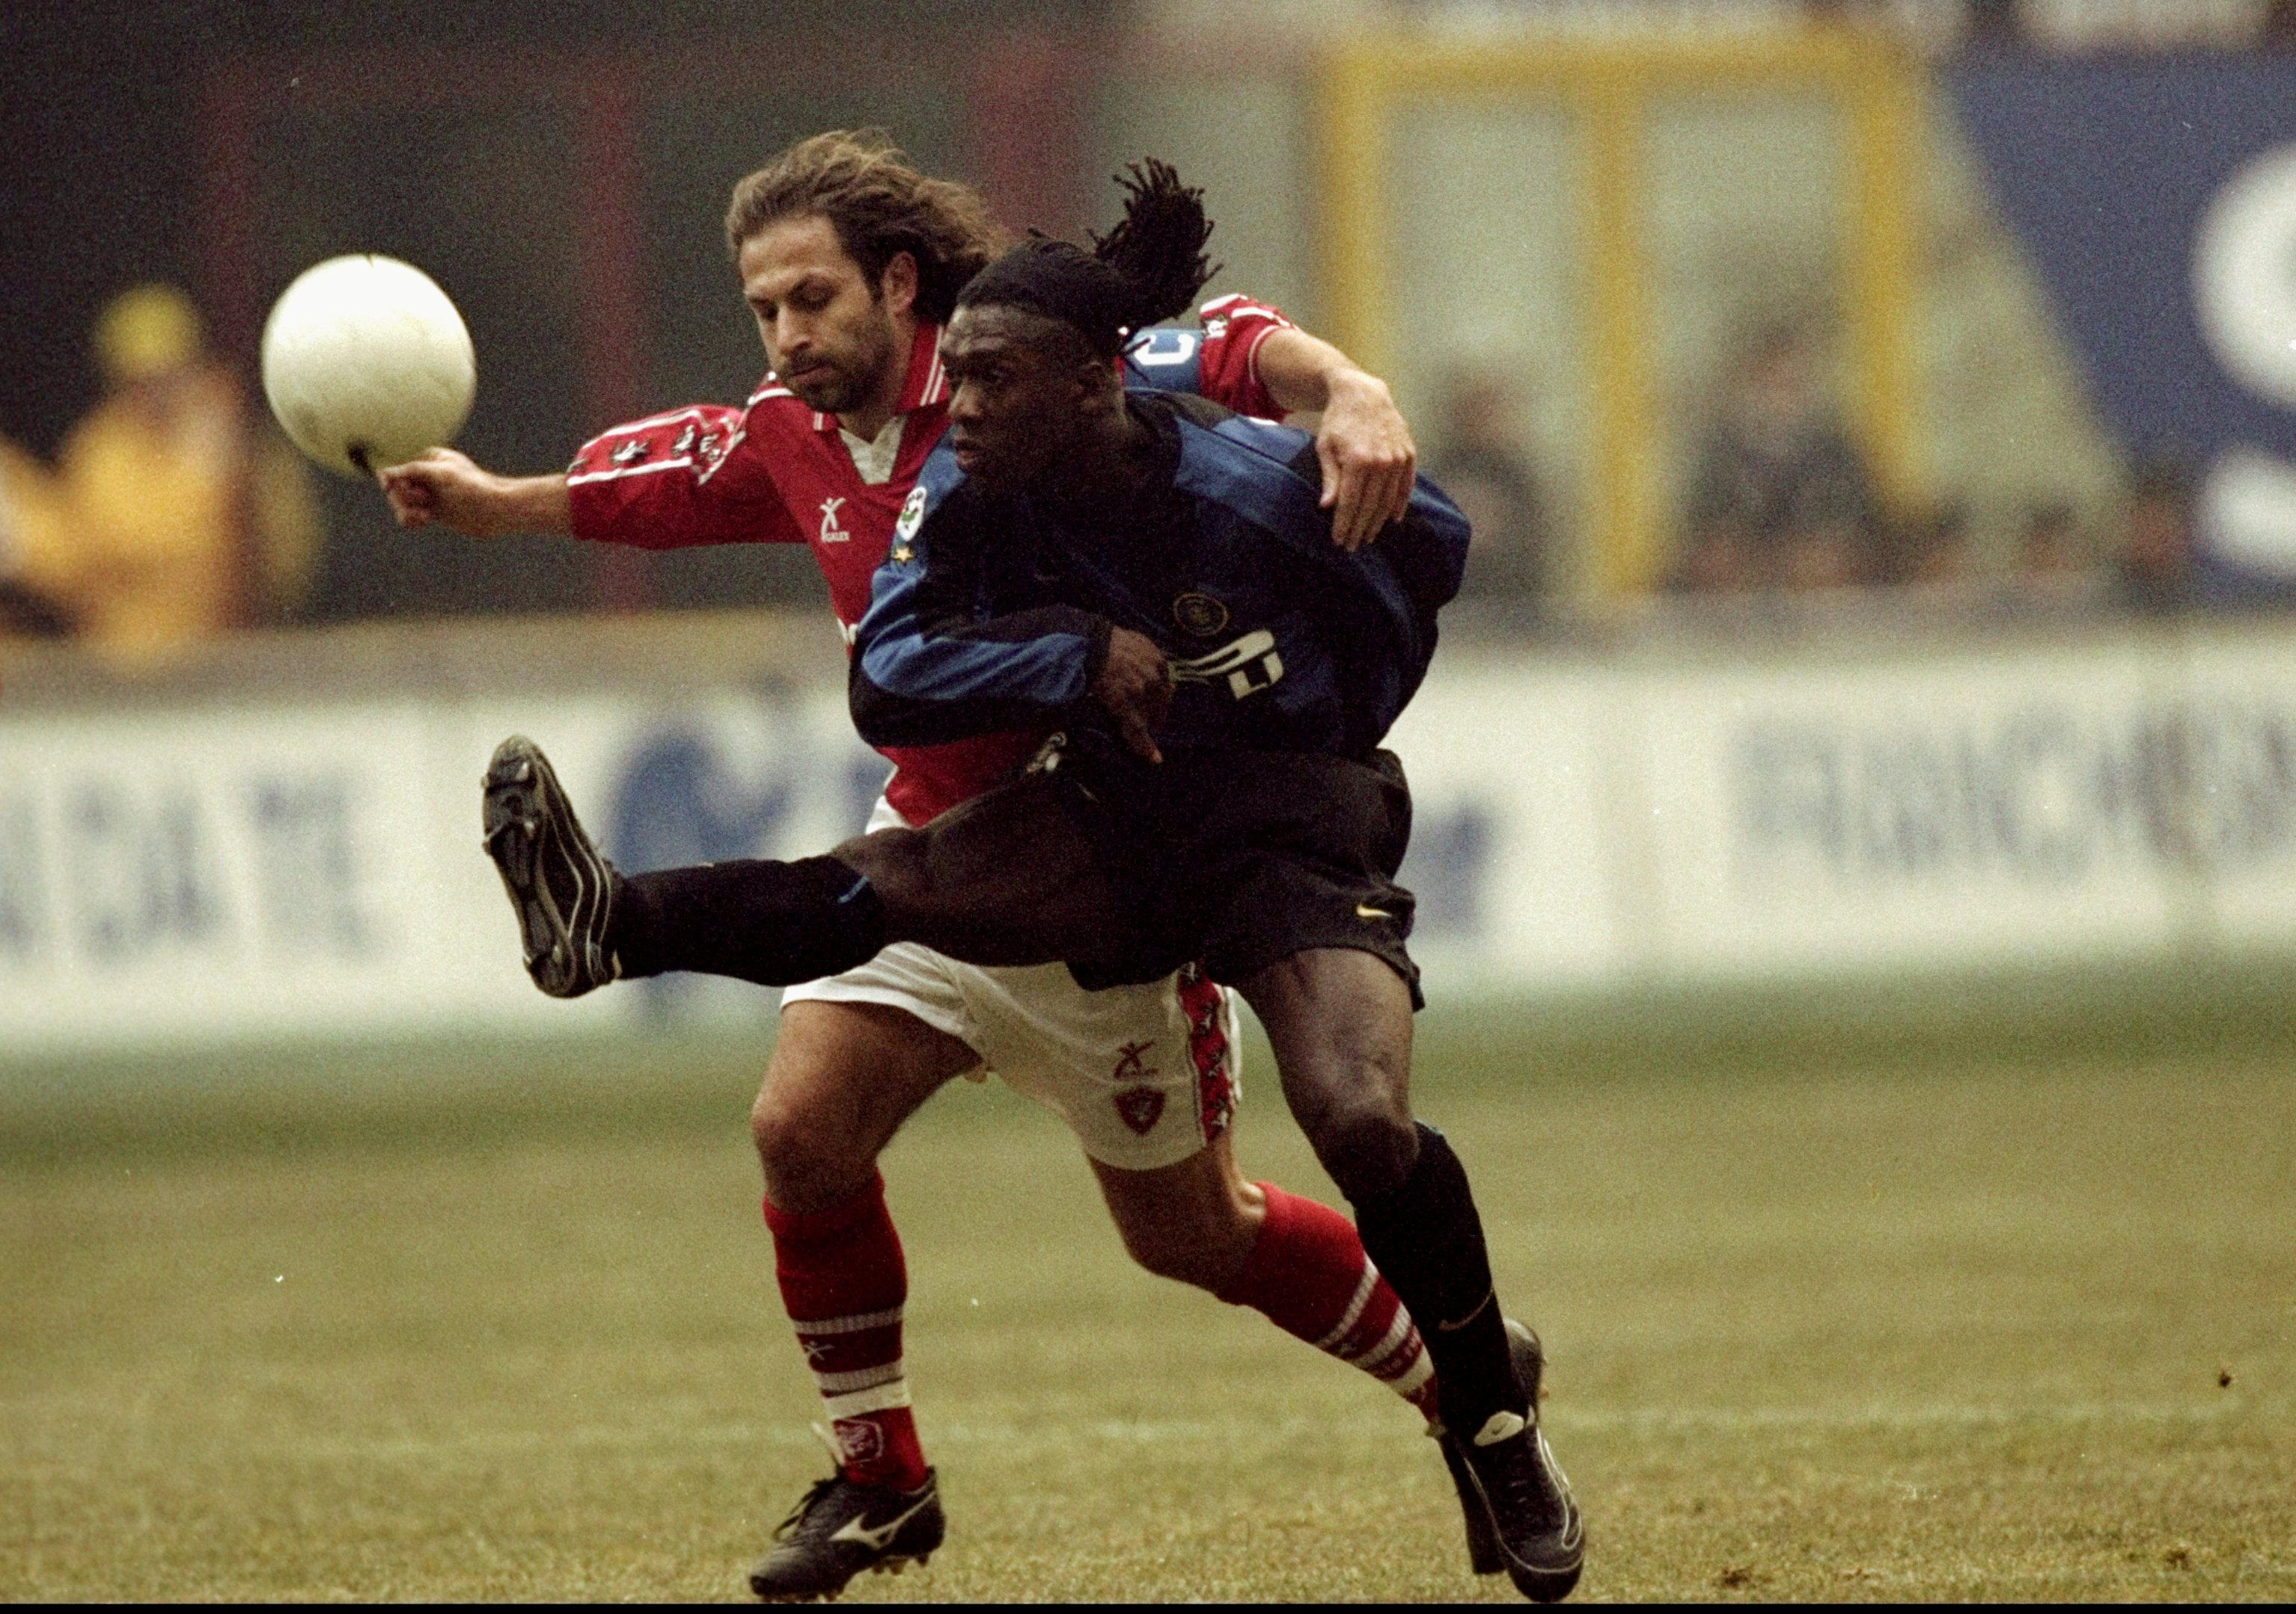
366 364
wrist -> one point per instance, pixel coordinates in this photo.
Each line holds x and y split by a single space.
534 503
1344 384
1098 636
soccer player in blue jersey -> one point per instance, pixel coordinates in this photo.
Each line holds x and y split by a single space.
1155 578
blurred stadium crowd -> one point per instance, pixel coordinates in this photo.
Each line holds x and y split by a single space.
170 510
174 512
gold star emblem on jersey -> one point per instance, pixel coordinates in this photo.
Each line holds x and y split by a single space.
903 555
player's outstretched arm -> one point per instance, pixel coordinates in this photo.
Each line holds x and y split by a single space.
1363 443
444 488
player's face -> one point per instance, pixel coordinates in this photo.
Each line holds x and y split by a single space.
829 334
1013 407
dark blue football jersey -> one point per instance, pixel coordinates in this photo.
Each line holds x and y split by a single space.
994 614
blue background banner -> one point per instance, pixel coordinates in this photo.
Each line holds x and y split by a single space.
2106 169
2156 197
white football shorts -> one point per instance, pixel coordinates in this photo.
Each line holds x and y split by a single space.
1144 1076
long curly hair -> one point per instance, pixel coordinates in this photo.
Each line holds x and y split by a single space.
879 205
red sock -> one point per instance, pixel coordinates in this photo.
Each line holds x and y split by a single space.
844 1284
1309 1276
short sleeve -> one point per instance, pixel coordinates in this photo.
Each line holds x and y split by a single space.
1228 368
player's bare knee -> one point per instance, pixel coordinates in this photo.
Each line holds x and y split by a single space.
895 863
804 1167
776 1132
1153 1252
1366 1147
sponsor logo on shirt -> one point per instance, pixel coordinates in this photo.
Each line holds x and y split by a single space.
1248 666
832 530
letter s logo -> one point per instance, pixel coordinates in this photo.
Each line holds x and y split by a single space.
2244 275
2244 291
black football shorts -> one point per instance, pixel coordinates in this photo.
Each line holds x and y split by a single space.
1241 859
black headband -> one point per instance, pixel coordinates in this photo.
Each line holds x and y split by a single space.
1064 283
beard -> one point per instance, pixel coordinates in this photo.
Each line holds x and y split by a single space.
852 377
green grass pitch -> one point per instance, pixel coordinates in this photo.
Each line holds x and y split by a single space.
1975 1321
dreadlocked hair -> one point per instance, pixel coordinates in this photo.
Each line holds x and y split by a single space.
1159 244
1147 269
879 205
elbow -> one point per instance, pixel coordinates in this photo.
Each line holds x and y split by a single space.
873 711
883 716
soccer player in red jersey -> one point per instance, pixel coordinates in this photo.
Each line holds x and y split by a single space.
850 261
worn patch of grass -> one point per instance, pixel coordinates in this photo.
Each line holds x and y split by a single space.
499 1323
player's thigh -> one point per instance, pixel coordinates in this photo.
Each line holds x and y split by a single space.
1007 875
1144 1075
843 1077
1195 1220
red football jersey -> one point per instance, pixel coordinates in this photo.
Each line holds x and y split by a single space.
776 472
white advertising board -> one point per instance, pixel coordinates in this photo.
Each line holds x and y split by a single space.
313 869
310 870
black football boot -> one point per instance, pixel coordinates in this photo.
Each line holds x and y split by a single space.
1521 1515
561 887
840 1528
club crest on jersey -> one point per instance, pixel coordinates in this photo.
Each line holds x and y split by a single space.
832 530
1141 1108
1199 613
913 515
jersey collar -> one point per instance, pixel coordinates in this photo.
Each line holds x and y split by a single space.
926 381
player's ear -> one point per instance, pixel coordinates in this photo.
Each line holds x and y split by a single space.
896 287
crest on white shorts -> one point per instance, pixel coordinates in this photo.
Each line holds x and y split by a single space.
1141 1107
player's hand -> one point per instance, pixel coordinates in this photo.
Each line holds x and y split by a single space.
1134 684
1368 457
444 488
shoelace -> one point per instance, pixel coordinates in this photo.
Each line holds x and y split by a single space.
812 1499
1522 1475
821 1487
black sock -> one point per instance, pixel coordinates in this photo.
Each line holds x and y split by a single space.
774 923
1427 1241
